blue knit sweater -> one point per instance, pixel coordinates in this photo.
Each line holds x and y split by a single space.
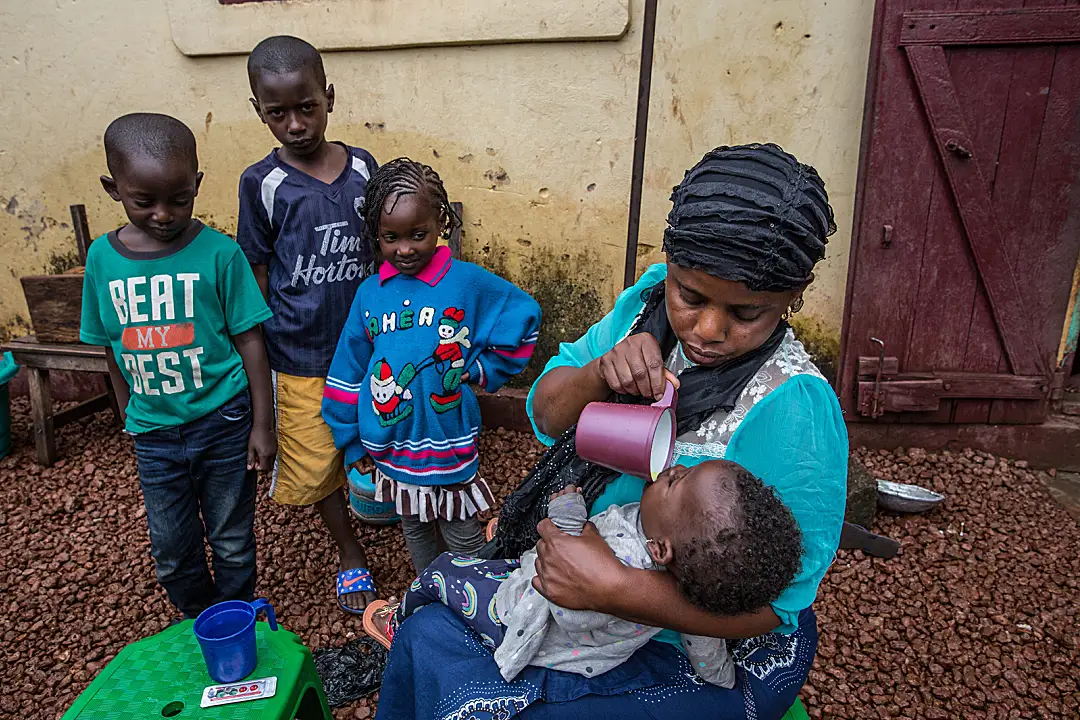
395 387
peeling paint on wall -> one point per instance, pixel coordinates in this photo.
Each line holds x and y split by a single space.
31 218
790 72
564 287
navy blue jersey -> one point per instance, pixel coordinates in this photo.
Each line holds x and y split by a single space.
311 236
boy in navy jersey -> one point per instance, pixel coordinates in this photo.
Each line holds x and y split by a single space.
301 227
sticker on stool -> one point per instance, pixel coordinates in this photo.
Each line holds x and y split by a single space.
238 692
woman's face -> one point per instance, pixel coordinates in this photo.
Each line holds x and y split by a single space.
719 320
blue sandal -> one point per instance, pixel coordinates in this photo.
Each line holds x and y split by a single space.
353 580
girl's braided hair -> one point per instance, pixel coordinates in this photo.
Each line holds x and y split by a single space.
406 177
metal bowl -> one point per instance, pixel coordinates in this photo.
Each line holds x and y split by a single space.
900 497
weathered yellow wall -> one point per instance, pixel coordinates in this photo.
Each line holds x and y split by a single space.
536 139
792 72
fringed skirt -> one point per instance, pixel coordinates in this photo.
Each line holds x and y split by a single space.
431 502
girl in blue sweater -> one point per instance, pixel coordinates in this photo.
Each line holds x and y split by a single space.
419 330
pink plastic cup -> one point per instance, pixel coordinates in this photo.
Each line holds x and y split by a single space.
637 440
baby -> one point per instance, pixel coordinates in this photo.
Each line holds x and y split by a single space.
730 542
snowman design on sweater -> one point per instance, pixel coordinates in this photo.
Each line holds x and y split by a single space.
453 336
395 390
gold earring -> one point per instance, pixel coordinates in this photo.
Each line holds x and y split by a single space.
797 305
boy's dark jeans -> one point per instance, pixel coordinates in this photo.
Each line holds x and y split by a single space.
201 465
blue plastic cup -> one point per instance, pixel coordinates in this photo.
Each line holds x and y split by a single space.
226 634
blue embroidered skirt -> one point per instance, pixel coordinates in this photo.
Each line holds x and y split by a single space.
440 670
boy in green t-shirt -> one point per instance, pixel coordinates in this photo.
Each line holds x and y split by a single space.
178 310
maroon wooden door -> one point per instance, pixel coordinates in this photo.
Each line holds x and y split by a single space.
967 220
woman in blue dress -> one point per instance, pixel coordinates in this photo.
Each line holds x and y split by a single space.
746 228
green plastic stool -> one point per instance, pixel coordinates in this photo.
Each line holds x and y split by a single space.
164 676
796 712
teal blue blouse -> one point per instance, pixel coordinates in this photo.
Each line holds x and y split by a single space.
794 439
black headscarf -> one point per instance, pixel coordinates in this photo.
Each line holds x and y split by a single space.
752 214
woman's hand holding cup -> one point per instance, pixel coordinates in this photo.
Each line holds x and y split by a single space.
635 366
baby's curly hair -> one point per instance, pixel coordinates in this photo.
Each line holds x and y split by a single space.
745 552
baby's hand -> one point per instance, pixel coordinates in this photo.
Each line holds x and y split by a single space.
565 491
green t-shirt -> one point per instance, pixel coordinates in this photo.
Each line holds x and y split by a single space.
168 317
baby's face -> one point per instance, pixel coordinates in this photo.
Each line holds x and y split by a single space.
680 493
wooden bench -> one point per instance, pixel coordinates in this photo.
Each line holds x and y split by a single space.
39 359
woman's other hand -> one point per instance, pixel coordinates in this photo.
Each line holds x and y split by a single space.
635 366
579 573
582 573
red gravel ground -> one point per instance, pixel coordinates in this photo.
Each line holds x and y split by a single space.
977 618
